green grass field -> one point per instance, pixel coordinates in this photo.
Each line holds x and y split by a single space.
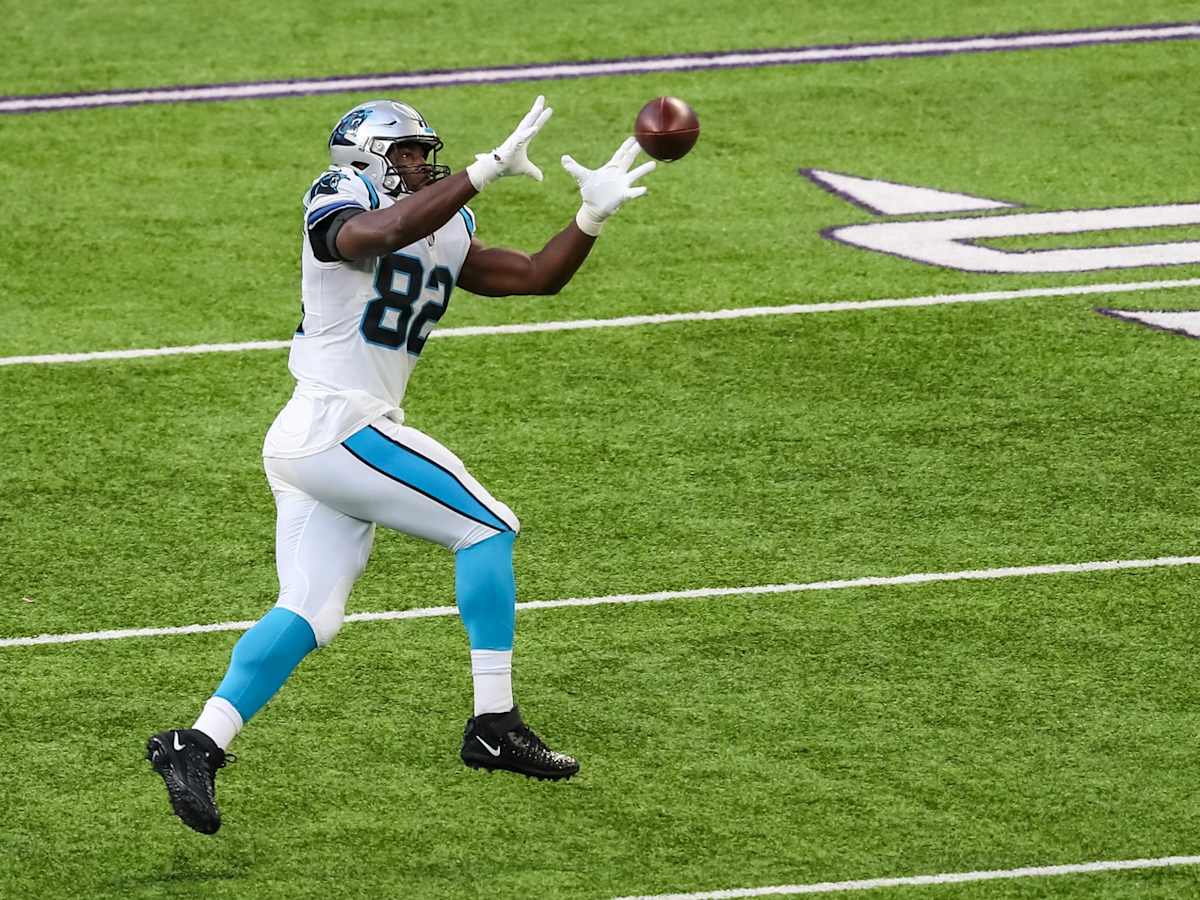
742 741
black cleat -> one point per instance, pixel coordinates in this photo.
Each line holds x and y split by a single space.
188 760
502 741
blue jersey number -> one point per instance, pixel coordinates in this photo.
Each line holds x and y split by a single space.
404 317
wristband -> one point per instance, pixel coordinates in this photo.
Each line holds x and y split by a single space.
484 170
589 223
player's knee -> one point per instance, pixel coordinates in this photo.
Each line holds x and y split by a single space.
325 622
280 634
324 614
328 622
510 519
506 517
480 535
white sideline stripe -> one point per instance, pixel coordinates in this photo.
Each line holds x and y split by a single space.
696 594
829 887
135 354
691 62
653 319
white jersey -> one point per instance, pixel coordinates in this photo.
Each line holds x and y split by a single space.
364 323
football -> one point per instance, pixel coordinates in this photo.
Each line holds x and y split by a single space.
666 128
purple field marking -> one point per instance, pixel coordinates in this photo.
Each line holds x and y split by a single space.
1121 34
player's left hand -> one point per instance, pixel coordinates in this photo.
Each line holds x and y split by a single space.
606 189
512 157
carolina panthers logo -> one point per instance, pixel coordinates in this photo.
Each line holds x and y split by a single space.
343 135
326 184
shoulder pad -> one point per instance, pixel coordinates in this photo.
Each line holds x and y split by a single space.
342 183
337 189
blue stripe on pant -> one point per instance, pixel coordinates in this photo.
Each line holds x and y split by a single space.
410 468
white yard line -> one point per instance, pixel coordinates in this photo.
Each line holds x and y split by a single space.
697 594
829 887
793 309
592 68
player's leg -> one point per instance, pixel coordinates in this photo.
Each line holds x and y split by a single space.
485 589
405 480
496 737
320 552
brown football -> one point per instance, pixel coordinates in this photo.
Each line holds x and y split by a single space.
667 128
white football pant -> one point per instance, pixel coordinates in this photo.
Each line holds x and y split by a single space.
328 504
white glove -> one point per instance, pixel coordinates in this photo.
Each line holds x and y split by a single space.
605 189
510 157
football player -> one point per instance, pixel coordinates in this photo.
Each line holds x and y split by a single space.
386 238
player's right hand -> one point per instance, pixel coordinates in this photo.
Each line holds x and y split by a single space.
511 157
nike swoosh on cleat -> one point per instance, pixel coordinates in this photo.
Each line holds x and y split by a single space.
487 747
178 746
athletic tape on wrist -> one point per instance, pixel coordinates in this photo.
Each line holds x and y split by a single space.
484 170
589 223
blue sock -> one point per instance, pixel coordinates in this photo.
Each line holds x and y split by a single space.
263 659
486 590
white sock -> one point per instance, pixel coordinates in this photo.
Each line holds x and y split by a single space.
220 720
491 670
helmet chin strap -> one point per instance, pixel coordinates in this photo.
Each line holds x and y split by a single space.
398 174
398 188
395 176
430 171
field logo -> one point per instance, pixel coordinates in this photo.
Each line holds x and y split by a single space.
953 243
1177 321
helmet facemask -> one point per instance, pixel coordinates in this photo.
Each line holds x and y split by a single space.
394 180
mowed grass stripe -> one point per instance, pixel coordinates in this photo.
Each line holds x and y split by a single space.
829 887
718 315
657 596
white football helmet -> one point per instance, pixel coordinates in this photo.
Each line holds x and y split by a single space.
365 134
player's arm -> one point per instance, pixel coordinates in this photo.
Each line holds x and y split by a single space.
421 214
375 233
499 272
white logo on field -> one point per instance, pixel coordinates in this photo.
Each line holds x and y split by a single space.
1182 321
953 242
887 198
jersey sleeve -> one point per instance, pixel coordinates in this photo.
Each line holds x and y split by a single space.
334 197
468 218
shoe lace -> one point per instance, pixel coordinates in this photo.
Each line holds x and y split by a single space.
226 759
